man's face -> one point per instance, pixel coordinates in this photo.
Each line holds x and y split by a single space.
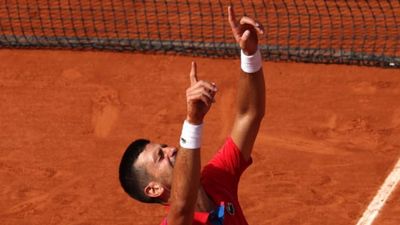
158 160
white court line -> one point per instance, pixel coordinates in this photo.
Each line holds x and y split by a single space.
380 198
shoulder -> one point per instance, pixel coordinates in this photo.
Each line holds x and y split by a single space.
164 222
228 162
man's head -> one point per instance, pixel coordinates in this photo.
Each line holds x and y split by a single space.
146 171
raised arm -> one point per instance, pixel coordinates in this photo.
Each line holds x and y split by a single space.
251 88
186 176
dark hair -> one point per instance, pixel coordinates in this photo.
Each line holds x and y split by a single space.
134 180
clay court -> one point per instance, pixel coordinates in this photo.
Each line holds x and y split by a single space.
328 142
330 137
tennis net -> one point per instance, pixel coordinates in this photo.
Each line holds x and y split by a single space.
338 31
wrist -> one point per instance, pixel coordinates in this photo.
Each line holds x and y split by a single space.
191 135
249 53
194 121
250 63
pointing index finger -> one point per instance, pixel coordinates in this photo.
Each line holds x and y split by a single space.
233 22
193 74
232 17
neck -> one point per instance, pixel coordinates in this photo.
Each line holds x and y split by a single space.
204 202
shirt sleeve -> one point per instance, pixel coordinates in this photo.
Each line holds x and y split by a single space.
164 222
230 160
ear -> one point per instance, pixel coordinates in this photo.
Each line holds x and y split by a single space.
154 189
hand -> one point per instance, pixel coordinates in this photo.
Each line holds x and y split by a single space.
245 32
199 97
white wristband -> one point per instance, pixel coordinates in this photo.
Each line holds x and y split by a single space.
250 63
191 135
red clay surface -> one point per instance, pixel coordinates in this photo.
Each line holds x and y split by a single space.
330 137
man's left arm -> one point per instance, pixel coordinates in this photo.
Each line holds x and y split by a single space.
250 108
186 175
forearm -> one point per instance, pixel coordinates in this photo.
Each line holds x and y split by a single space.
250 110
185 184
251 96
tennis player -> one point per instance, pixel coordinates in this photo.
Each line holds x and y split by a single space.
157 173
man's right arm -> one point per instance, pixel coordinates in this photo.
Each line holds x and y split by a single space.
250 108
186 177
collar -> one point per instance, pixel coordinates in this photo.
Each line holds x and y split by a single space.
215 217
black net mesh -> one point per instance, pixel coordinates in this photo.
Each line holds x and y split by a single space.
337 31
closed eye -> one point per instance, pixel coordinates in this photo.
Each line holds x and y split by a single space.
160 155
